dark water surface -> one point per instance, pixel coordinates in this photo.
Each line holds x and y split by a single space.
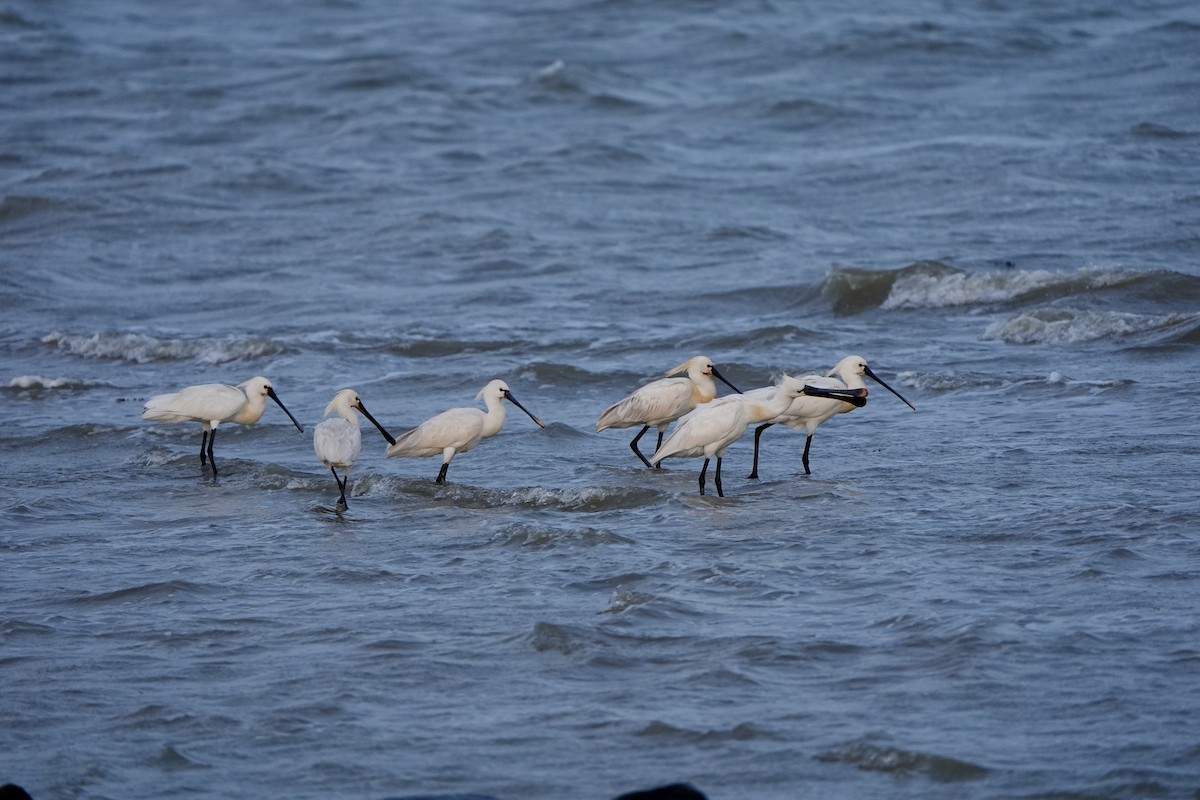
996 203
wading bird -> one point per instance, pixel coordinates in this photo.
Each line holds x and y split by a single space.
338 441
665 400
711 428
808 411
459 429
210 404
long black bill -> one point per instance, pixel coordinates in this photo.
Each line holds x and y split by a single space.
874 377
721 378
375 422
855 397
509 396
271 394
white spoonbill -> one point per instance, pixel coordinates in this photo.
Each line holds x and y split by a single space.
459 429
711 428
665 400
338 441
210 404
815 406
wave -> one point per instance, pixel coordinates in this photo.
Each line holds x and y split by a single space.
938 286
933 285
876 758
141 348
981 382
742 732
1073 326
365 482
585 500
852 291
540 536
38 383
605 89
148 591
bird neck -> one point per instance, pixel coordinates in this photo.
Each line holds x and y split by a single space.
763 410
253 410
493 421
703 388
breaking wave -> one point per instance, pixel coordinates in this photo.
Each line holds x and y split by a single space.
1069 326
39 383
945 287
141 348
932 285
877 758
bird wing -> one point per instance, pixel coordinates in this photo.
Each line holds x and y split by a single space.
805 408
337 442
655 403
709 429
459 428
206 402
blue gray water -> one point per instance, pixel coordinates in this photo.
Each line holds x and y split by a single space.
995 203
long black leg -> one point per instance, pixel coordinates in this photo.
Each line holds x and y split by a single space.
807 444
658 447
634 447
717 480
341 487
757 435
203 444
212 438
441 478
703 470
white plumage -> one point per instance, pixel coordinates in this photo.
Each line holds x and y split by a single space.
846 392
710 429
210 404
665 400
338 441
459 429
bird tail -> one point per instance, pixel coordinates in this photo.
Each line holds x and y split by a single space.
158 409
609 418
398 447
669 448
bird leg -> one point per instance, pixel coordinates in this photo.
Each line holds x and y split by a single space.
807 444
634 447
212 438
341 487
757 435
658 447
703 470
717 480
441 478
203 444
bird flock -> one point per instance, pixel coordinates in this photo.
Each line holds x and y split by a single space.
704 425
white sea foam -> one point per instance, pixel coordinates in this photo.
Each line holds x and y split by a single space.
42 382
924 290
141 348
1058 326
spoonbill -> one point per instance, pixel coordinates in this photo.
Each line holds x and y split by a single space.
459 429
816 406
210 404
665 400
711 428
338 441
